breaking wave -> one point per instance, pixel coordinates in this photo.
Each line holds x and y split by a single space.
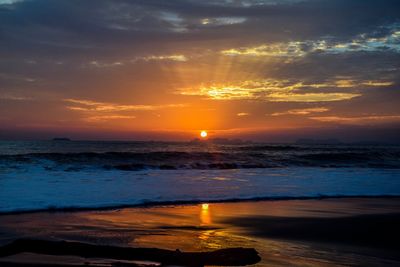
246 157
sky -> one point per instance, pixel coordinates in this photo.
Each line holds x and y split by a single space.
264 70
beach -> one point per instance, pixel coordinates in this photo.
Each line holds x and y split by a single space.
87 203
312 232
197 133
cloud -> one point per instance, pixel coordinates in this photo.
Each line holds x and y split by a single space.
359 120
174 21
222 21
102 118
377 83
98 64
302 111
311 97
94 111
246 3
266 51
89 105
9 2
290 49
365 42
17 77
275 90
13 97
174 57
242 114
362 42
352 83
148 58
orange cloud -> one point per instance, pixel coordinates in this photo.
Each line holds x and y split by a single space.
271 90
94 111
103 118
89 105
311 97
304 111
359 120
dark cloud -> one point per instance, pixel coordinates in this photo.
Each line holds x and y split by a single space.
78 25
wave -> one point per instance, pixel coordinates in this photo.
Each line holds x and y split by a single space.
147 204
238 158
43 190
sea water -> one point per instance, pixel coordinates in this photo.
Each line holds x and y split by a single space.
40 175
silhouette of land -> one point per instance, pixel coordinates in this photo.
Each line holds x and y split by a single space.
221 257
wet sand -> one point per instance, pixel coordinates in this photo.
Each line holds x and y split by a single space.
327 232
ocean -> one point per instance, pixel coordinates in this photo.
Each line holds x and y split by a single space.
60 175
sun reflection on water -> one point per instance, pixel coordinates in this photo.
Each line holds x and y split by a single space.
205 216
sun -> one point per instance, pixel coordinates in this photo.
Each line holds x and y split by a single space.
204 206
203 134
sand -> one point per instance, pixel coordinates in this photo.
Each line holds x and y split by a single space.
326 232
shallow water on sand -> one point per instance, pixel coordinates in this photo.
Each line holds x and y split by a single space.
212 226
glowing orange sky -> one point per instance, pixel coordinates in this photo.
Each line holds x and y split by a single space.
150 70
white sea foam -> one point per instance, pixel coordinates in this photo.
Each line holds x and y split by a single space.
35 189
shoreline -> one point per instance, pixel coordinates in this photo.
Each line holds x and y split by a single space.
335 231
191 202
